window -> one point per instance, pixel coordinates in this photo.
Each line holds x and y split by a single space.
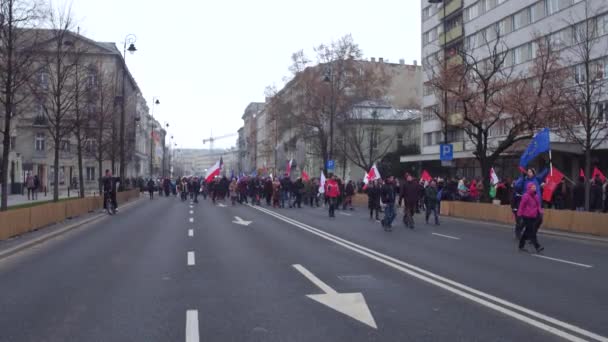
521 19
580 32
428 139
399 139
517 55
580 76
552 6
455 135
90 173
43 79
471 12
426 13
427 90
64 145
40 142
438 137
90 146
92 79
428 113
602 25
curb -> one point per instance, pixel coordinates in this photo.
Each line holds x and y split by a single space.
14 250
542 231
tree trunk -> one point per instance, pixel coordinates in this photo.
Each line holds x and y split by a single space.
56 175
6 143
80 173
588 178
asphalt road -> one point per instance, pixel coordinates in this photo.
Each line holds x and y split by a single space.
166 270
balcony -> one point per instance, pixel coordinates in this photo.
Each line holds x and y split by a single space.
454 33
452 7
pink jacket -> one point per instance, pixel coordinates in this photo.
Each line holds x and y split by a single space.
529 207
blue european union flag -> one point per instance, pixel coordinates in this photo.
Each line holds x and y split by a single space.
539 144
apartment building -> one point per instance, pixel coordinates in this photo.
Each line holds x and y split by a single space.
452 25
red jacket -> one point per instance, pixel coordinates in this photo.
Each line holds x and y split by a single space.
331 188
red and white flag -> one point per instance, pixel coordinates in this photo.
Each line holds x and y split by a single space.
322 183
214 171
493 177
372 175
289 163
305 176
426 176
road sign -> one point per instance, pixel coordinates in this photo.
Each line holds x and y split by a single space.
446 152
331 165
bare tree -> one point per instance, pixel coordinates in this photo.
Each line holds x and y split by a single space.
17 67
82 84
494 102
59 59
585 121
102 98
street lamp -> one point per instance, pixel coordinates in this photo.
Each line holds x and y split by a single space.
130 39
328 78
164 148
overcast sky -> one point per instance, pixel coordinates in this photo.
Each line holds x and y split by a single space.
206 60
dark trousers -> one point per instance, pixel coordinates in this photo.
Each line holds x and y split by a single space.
30 191
408 214
389 214
371 213
433 209
196 197
530 232
332 207
151 194
112 195
298 201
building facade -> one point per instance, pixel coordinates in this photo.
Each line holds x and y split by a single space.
452 26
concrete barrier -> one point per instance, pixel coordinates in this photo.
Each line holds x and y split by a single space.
20 221
562 220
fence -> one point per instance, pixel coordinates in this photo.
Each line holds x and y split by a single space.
563 220
19 221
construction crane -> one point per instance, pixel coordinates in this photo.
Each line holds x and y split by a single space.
212 139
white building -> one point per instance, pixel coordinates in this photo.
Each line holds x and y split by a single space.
469 24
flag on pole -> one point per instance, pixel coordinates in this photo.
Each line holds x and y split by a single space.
288 170
493 177
597 172
540 143
551 183
305 176
372 175
214 171
581 173
322 183
426 176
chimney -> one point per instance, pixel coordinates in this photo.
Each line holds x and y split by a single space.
415 62
373 59
380 60
402 61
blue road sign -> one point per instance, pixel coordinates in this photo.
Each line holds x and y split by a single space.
446 152
331 165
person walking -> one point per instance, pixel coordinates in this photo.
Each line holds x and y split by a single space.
332 191
388 201
409 192
268 191
196 188
285 190
349 192
431 201
373 200
298 188
276 193
530 210
151 188
233 188
29 183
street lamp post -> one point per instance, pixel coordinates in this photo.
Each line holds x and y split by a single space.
163 169
155 102
129 39
329 78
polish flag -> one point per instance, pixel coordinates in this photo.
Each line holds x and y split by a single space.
597 172
289 163
322 183
214 171
372 175
426 176
493 177
305 176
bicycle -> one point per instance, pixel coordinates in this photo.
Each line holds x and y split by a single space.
110 208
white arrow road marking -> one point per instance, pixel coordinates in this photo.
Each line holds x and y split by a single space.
191 261
191 219
190 232
345 214
447 236
221 205
191 212
192 326
240 221
562 260
523 314
350 304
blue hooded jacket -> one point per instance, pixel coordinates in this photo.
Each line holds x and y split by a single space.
522 183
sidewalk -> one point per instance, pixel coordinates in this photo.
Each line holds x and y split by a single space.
22 199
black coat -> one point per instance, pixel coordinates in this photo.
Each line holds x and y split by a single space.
578 195
373 197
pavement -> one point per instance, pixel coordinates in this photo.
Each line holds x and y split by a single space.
40 197
167 270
